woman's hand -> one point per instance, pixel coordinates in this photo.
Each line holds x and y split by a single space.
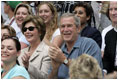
25 59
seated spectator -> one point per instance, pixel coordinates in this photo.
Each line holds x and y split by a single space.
7 31
35 57
48 12
84 11
105 31
85 67
110 51
74 46
10 49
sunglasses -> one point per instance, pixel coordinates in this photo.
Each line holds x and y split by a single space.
31 28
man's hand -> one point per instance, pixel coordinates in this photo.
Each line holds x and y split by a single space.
56 54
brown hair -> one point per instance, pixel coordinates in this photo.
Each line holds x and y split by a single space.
11 30
38 22
88 9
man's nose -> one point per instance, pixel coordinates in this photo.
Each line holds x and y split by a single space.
65 28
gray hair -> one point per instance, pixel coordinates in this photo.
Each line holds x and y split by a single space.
77 19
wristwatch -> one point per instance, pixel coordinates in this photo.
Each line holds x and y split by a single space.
65 61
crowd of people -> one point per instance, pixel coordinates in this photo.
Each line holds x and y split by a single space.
37 42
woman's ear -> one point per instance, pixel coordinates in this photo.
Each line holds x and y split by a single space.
88 17
18 53
39 33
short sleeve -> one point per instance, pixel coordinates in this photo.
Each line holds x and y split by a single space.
17 71
56 33
21 71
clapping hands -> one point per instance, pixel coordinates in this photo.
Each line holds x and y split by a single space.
25 59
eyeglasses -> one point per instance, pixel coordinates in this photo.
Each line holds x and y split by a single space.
31 28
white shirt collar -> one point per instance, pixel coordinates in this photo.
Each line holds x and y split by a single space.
115 29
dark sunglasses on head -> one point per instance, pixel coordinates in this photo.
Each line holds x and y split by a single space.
31 28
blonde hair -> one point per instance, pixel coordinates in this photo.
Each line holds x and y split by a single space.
53 24
85 67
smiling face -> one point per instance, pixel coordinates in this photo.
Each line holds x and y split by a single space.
45 12
68 29
33 35
8 51
80 12
21 14
113 11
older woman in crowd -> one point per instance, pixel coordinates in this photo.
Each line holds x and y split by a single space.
35 57
48 12
110 50
10 50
